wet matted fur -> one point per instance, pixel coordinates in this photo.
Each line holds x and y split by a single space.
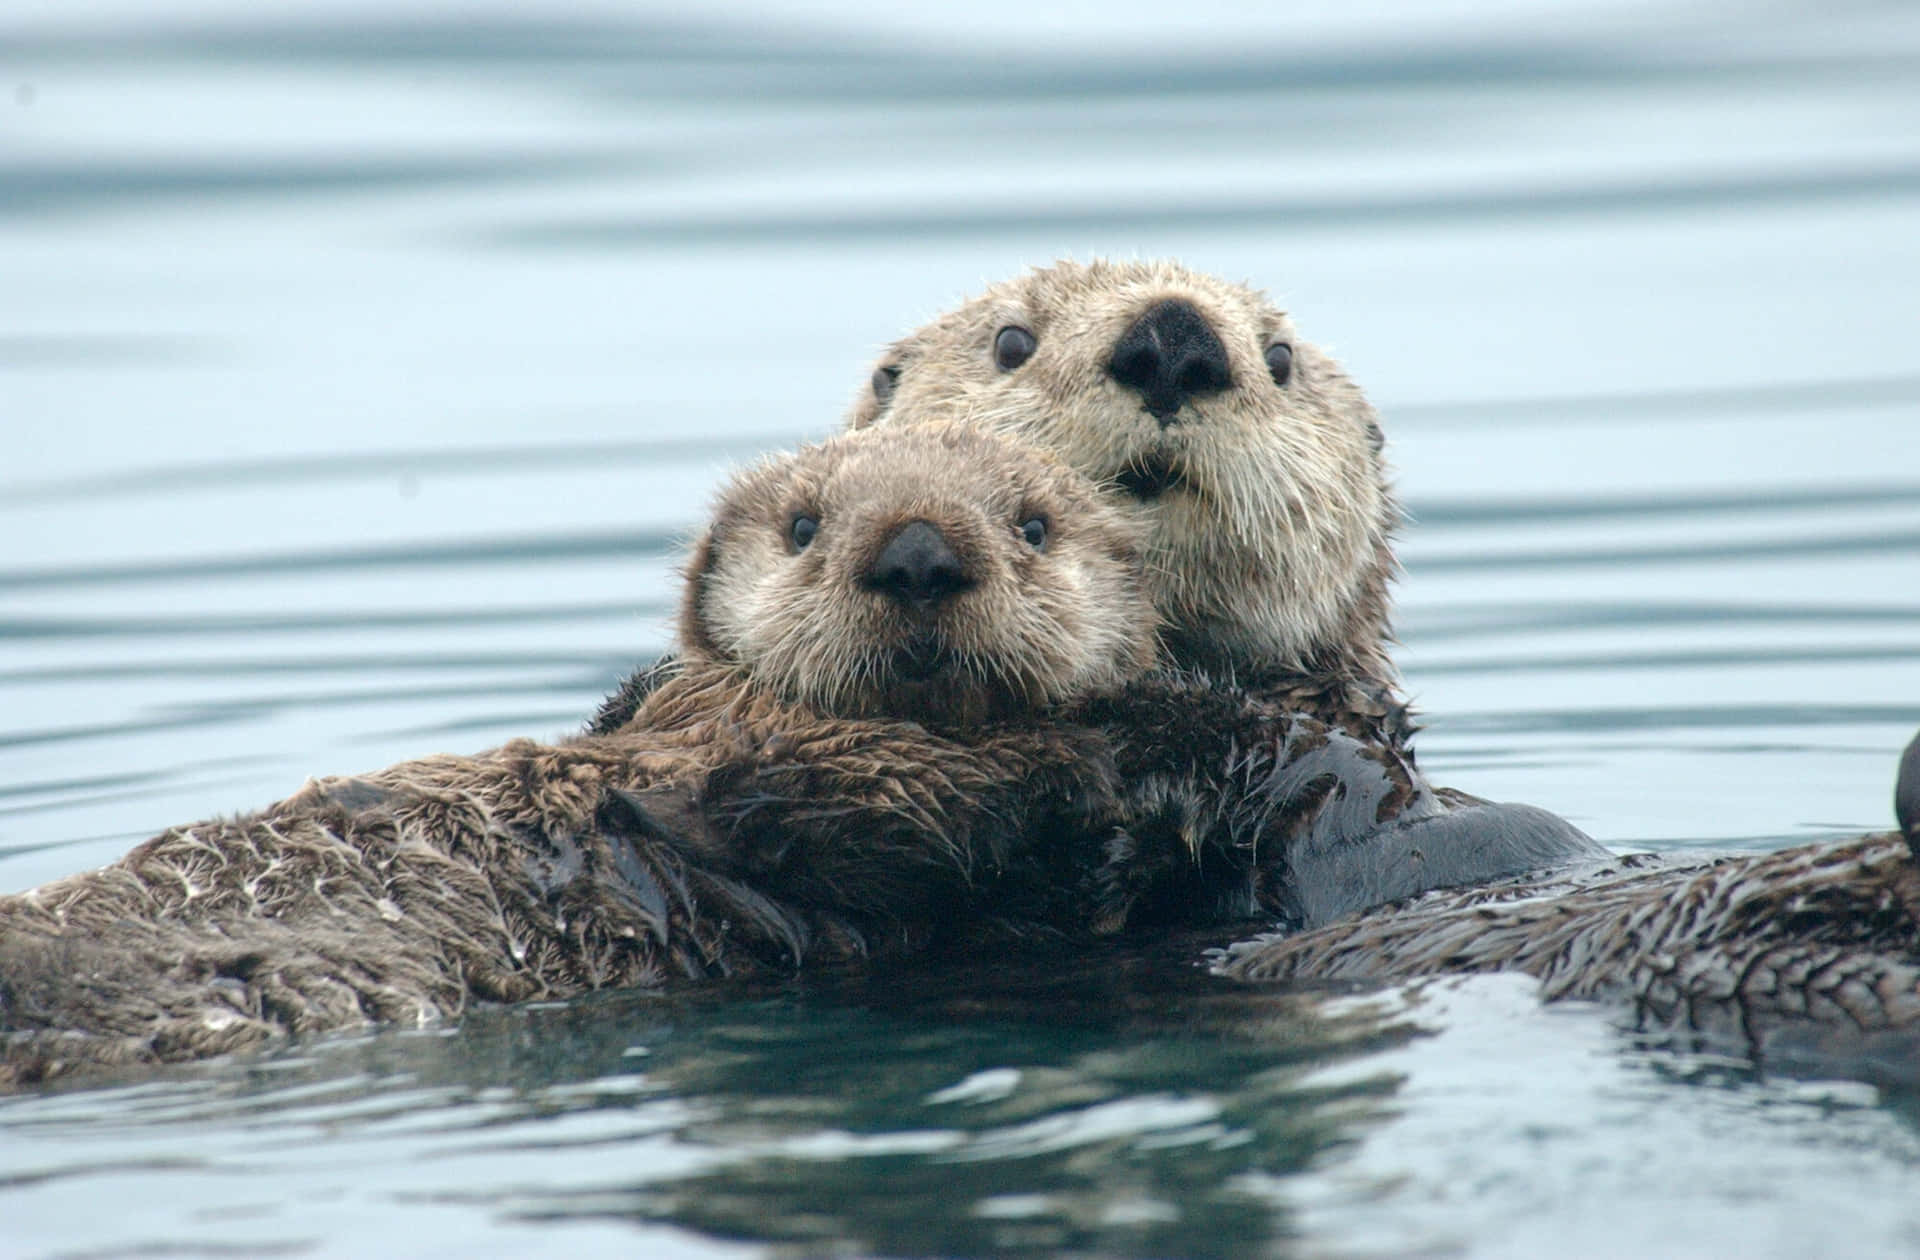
1263 506
1809 952
531 871
737 826
540 871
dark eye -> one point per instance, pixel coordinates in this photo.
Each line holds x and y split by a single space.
802 531
1280 362
1012 346
884 379
1035 532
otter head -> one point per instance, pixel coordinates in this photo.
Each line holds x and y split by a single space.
1251 458
929 572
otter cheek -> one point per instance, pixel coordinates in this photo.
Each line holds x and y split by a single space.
777 632
1180 533
730 606
1058 643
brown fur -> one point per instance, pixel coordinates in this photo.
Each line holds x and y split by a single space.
538 871
530 871
1235 802
1271 552
1035 627
1811 948
1268 558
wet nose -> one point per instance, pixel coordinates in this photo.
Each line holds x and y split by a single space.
1169 355
918 566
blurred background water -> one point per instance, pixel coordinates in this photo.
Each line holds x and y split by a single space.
361 366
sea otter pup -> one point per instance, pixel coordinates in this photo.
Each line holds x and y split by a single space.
913 574
798 788
1809 953
907 603
940 575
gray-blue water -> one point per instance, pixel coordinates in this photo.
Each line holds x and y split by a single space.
359 366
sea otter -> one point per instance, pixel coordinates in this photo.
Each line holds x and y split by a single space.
1230 805
1251 459
1809 953
799 788
1253 466
1249 455
914 575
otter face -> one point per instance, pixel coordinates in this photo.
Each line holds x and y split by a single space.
1250 457
929 572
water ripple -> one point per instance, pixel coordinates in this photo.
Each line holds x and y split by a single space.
51 188
1612 198
1507 662
1683 405
1673 718
197 624
1780 501
846 62
92 350
345 663
521 549
382 466
253 708
1862 543
1478 620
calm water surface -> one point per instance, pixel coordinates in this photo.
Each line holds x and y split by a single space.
360 371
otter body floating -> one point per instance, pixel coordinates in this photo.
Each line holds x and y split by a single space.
1252 466
538 871
760 810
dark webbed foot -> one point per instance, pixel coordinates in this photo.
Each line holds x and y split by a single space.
1239 803
1462 845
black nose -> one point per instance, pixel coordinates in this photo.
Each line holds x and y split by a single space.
1170 354
917 566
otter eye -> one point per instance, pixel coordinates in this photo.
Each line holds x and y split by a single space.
1280 362
884 379
1012 346
802 530
1035 532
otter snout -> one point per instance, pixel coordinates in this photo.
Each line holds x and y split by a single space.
918 566
1169 355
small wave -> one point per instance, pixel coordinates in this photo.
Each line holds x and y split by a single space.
523 549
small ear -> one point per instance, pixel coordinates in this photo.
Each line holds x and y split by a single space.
696 637
872 402
1906 795
874 398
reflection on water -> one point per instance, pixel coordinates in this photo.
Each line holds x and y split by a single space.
1122 1123
360 376
894 1119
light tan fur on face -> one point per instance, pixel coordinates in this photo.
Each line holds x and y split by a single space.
1036 627
1274 553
